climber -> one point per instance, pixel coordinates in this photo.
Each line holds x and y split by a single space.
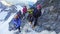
24 11
36 14
30 15
17 20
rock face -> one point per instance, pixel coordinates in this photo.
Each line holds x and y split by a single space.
50 19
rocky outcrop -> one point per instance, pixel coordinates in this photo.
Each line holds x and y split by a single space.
50 18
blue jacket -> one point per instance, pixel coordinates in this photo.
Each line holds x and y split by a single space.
17 22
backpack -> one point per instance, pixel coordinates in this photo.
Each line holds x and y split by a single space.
24 9
30 11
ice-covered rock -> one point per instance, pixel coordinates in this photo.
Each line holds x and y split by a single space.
50 14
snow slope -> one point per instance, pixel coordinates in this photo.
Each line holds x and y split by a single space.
3 15
4 26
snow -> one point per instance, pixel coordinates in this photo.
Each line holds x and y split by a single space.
3 15
20 1
4 26
19 8
1 22
58 33
42 11
7 8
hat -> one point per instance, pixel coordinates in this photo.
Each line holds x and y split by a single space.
39 6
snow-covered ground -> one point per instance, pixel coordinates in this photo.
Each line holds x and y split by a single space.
19 8
3 15
4 26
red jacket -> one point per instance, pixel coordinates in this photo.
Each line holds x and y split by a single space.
24 10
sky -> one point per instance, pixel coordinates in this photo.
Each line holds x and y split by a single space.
10 2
